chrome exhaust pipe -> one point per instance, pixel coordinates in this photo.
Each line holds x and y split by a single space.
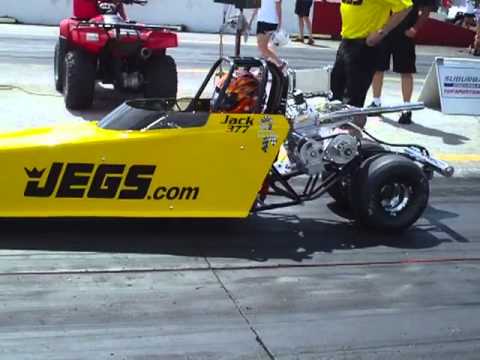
439 166
354 111
145 53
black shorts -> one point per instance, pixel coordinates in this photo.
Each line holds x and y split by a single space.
265 28
401 49
302 7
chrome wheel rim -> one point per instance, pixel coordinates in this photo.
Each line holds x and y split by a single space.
395 197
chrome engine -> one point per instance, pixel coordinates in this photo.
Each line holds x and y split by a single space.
313 141
316 138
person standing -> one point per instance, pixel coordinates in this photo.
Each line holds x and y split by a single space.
476 41
364 25
399 46
302 10
121 9
269 21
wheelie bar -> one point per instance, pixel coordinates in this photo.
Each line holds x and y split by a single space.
439 166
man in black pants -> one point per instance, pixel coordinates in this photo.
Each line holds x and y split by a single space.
364 25
399 45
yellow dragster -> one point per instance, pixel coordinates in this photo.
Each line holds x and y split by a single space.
166 158
142 161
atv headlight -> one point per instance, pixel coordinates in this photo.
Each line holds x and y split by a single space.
92 37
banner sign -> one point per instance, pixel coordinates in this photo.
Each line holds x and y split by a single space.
453 85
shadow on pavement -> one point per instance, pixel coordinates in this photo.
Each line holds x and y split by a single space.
258 238
448 138
435 217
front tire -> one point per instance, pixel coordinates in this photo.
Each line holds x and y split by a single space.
58 65
389 192
79 82
161 78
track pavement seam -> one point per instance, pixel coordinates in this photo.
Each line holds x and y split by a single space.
401 262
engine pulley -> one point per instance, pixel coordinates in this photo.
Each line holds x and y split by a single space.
342 149
311 156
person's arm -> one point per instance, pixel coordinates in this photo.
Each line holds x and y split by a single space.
424 13
376 37
278 7
121 11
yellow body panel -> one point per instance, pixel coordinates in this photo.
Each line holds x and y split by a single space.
81 170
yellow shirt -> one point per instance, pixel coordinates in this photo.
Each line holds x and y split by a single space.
362 17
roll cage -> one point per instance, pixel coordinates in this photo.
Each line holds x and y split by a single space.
150 114
270 99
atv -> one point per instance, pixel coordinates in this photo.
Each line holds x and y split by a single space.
99 44
196 158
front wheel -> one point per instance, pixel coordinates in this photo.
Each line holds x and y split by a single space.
389 192
79 82
161 78
58 66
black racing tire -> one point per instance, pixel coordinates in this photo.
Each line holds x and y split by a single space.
370 148
340 191
161 78
58 66
389 192
79 82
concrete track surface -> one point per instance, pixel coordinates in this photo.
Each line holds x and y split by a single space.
301 283
298 283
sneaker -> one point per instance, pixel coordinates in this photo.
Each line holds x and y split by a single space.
373 104
405 118
311 41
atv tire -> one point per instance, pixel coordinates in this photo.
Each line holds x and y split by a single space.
161 78
58 65
79 81
389 192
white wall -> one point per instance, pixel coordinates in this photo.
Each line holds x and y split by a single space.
197 15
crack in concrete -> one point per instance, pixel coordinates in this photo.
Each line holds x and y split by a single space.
240 311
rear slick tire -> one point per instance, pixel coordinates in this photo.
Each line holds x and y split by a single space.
79 82
161 78
390 192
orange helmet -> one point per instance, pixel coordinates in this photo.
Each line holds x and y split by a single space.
241 95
